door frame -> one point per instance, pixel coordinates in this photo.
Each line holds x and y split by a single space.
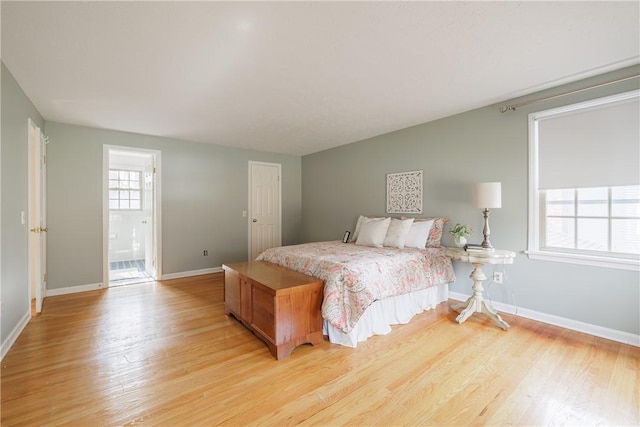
157 203
250 207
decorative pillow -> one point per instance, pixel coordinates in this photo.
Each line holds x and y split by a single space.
435 235
373 231
418 234
397 232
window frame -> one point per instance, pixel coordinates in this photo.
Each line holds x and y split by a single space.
537 210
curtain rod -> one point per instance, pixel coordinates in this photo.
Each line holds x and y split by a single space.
533 101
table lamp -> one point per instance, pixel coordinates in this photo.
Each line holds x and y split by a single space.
487 195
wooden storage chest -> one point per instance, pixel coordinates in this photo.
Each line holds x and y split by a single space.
281 306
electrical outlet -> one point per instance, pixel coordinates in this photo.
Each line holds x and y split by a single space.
497 277
205 253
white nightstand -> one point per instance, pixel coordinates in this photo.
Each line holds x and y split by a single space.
476 302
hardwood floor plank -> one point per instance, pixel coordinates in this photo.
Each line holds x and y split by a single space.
164 353
625 385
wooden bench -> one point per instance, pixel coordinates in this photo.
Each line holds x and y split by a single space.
280 306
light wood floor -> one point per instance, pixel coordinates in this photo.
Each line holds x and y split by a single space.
165 354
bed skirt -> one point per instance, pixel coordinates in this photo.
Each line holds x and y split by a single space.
381 314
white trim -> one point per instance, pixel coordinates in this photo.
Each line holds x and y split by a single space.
595 261
563 322
534 200
192 273
597 102
157 209
98 286
74 289
31 127
105 214
15 333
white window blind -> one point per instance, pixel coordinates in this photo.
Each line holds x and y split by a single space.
584 183
590 146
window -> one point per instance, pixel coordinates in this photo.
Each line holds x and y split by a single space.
124 189
584 183
602 219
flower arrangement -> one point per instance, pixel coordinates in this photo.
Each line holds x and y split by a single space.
461 230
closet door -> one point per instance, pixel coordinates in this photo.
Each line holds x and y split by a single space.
264 207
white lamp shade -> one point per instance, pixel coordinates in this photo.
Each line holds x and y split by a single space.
487 195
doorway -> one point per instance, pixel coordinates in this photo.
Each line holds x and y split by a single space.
131 215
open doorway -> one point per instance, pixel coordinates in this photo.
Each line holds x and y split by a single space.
131 220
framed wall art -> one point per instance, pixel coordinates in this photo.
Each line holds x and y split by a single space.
404 192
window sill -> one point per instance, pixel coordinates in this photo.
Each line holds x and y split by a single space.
595 261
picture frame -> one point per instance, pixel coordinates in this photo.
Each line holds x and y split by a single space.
404 192
345 238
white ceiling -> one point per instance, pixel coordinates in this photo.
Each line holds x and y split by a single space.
300 77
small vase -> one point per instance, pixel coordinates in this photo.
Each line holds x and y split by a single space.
460 241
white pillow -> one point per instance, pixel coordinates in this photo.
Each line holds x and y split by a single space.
397 232
418 234
373 231
354 236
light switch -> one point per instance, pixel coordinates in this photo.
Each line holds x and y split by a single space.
22 217
244 214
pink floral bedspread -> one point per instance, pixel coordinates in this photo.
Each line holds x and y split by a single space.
355 276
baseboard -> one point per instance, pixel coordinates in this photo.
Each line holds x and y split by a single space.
575 325
13 336
74 289
96 286
191 273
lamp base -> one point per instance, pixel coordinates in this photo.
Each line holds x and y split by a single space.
486 243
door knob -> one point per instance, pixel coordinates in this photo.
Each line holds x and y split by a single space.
254 220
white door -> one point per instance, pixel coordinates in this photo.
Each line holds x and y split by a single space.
264 207
37 215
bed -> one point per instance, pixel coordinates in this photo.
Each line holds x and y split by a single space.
368 288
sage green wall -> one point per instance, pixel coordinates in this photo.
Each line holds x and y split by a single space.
14 259
204 191
455 152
